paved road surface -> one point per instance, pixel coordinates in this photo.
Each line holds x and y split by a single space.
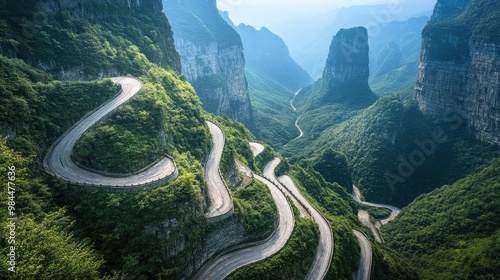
221 202
257 148
324 251
269 174
364 218
394 210
223 266
365 261
59 163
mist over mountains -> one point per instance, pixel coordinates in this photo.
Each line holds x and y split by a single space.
308 38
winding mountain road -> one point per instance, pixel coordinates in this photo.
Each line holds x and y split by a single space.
257 148
394 210
301 133
58 160
365 262
223 265
364 218
324 250
221 202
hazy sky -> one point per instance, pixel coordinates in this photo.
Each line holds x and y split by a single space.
267 12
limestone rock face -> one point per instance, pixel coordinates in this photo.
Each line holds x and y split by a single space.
211 57
345 76
460 76
348 57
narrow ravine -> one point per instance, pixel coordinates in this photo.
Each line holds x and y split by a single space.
58 161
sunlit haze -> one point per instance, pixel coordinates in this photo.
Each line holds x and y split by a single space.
266 13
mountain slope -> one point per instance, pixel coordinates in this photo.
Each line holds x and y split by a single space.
452 232
87 41
164 229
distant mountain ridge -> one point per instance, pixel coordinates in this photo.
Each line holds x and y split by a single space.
309 47
273 77
394 57
266 53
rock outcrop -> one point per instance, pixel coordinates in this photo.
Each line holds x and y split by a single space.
345 76
460 73
211 57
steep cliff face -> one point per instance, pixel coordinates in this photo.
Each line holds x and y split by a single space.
460 65
211 57
347 68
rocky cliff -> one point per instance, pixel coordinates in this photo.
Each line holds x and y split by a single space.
345 76
460 65
211 57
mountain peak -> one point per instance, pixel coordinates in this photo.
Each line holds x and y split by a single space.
347 67
348 57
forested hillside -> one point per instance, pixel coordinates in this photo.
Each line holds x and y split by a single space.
64 232
453 232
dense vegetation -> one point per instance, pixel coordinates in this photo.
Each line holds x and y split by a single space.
392 154
87 46
40 109
452 232
477 20
47 246
335 204
236 145
293 261
35 116
164 117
